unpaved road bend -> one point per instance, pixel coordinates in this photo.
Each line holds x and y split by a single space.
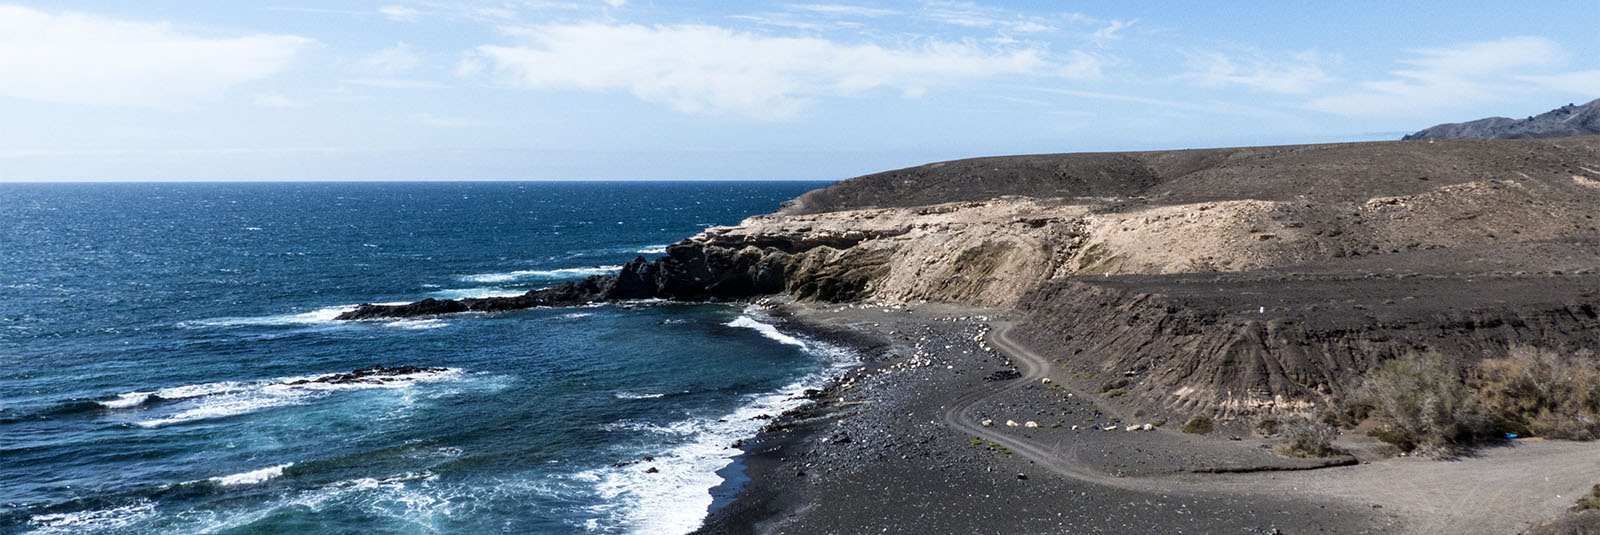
1498 490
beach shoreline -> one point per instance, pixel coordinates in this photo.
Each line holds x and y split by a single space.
876 452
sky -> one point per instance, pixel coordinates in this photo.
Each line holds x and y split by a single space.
637 89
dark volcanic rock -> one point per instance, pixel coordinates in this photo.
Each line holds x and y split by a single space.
566 294
371 374
1569 120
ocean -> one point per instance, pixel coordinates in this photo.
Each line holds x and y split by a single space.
169 362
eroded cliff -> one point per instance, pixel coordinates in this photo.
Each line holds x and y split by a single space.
1145 266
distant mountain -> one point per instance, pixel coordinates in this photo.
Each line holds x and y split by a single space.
1565 121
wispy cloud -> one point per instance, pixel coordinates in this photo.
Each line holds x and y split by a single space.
447 121
842 10
400 13
272 100
397 83
77 58
392 60
1298 75
972 15
1110 31
708 69
1579 82
1198 107
1445 78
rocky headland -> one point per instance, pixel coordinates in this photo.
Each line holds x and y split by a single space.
1233 281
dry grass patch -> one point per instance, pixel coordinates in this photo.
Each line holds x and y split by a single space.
1422 403
1538 392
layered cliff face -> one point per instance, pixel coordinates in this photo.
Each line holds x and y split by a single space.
1394 198
1118 262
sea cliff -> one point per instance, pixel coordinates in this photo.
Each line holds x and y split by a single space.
1236 281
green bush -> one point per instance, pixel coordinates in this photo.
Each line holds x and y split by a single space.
1542 393
1422 403
1198 424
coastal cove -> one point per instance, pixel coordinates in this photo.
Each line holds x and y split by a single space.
172 363
1233 339
1099 342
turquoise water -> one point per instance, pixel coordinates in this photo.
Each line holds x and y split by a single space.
164 350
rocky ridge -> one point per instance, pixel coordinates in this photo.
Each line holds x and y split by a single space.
1569 120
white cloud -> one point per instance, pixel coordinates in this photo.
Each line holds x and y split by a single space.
1300 74
707 69
1445 78
84 59
972 15
393 60
397 83
615 3
399 13
841 10
447 121
1581 82
269 100
1108 33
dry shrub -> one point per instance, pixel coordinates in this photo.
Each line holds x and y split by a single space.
1422 404
1198 424
1589 501
1539 392
1304 437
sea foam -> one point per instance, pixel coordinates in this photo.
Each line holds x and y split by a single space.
94 521
224 399
541 274
675 498
767 330
252 477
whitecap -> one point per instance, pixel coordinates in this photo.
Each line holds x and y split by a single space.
576 315
476 293
564 273
323 315
252 477
635 395
127 401
653 249
96 520
417 325
194 391
766 330
225 399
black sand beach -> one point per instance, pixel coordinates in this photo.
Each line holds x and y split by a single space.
898 446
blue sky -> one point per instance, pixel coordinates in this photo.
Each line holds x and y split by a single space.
632 89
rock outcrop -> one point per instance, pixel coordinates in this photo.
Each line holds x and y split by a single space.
1235 281
1569 120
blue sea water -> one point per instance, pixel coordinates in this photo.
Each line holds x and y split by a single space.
156 339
